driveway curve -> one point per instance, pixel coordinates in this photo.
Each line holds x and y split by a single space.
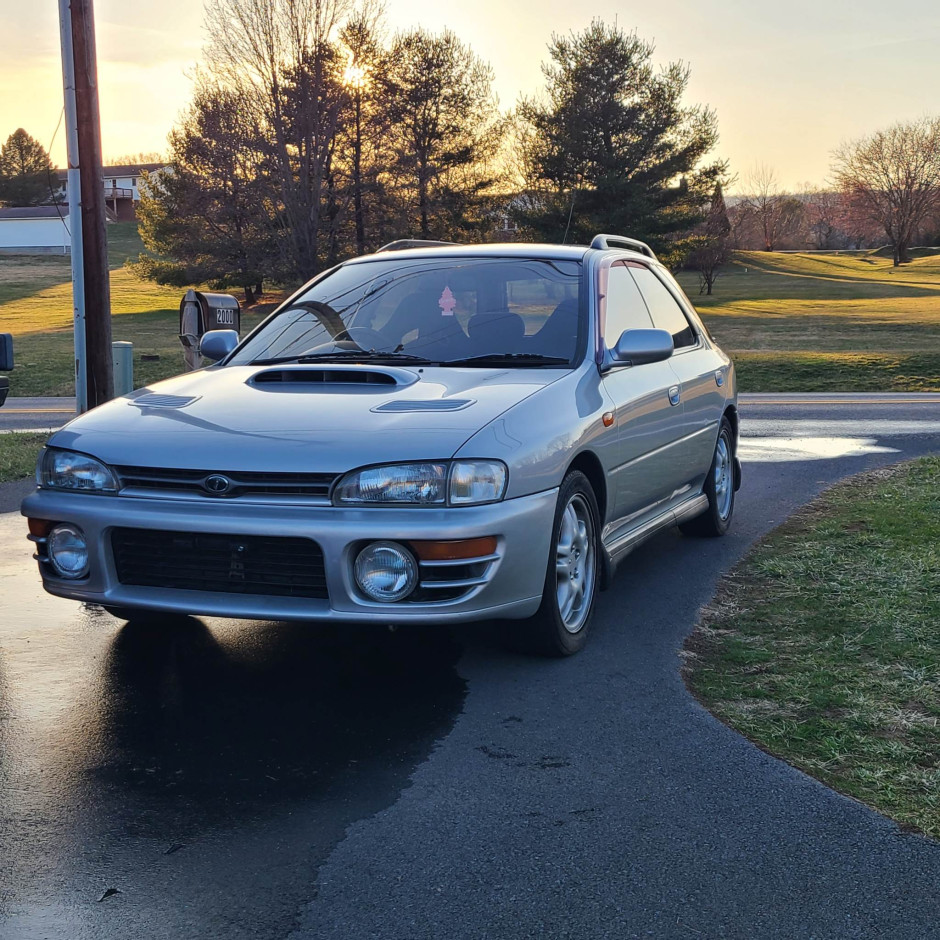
236 781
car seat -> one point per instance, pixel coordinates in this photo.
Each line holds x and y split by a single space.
438 336
559 334
496 332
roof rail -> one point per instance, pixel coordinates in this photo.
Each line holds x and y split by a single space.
618 241
402 243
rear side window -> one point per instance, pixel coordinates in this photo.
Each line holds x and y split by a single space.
664 308
624 306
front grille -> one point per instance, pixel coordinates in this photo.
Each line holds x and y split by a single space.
227 564
314 486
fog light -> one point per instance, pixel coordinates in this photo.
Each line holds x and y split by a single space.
386 572
67 550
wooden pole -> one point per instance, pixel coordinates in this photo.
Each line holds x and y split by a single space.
74 189
100 377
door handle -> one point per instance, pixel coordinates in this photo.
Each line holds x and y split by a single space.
674 395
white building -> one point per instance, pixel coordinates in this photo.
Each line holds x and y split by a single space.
120 188
34 230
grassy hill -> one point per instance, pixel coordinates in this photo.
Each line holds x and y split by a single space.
824 322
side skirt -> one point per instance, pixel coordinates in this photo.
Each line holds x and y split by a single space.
618 548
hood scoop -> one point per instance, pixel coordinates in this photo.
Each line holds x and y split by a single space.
293 376
156 400
409 407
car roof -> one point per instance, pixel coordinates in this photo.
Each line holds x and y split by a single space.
521 250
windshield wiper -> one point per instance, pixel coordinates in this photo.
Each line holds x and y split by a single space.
343 355
498 359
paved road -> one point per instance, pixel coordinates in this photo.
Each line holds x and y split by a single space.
50 413
41 414
269 781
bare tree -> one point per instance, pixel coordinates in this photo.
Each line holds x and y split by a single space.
766 205
893 179
281 58
822 211
365 142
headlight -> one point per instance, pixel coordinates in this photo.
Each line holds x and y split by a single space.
457 483
422 484
66 470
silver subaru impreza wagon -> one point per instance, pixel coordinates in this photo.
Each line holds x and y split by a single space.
430 434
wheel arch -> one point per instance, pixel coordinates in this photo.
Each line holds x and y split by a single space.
731 413
589 464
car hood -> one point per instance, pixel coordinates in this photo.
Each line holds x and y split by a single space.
300 418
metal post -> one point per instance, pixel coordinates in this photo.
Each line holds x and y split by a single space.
75 207
122 356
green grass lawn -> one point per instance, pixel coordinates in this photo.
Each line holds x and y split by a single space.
848 322
792 322
18 453
821 646
36 307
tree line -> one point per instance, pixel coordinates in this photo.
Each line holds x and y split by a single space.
313 136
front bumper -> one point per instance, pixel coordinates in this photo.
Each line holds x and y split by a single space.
511 586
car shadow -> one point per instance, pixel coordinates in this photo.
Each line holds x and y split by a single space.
231 721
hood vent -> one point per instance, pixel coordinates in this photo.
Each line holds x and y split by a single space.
156 400
326 376
443 404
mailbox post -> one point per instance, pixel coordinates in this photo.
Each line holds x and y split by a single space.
6 364
201 312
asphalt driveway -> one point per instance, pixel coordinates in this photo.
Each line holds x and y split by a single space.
232 780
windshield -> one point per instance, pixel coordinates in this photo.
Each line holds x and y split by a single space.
441 310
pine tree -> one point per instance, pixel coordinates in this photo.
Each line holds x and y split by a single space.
610 147
26 172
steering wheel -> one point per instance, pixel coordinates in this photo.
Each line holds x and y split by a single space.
365 338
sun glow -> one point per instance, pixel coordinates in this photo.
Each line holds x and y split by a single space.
354 75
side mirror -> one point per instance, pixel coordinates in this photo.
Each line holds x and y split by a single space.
217 344
638 347
6 352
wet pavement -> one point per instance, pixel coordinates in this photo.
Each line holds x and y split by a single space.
131 757
215 778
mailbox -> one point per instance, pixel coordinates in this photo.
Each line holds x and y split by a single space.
201 312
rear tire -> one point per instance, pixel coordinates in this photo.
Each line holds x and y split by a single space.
561 624
719 488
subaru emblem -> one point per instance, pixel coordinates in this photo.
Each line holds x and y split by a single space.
216 484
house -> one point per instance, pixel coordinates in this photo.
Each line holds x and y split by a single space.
35 230
121 194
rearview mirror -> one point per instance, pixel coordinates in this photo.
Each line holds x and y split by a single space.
6 352
217 344
638 347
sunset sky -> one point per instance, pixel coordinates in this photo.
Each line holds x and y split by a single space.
788 81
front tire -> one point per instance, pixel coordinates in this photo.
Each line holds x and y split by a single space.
719 488
561 624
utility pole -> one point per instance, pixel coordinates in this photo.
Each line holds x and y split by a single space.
94 383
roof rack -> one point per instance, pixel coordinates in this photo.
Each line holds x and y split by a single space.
402 243
618 241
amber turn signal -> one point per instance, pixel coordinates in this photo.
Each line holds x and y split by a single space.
455 549
40 527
